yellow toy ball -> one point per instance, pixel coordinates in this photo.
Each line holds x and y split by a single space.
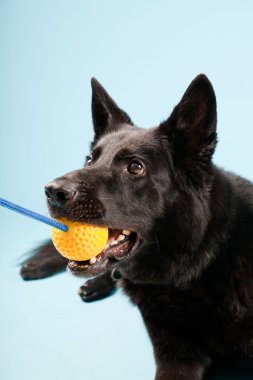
81 241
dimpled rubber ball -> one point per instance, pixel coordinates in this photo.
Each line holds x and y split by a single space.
81 241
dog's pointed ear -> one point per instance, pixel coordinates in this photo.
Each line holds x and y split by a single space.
106 114
191 128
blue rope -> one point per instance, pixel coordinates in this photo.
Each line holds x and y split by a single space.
33 215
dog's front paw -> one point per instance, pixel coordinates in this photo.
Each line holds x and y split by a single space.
45 262
35 270
97 288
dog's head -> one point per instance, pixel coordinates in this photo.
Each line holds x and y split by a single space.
137 181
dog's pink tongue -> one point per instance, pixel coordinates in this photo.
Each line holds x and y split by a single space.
113 236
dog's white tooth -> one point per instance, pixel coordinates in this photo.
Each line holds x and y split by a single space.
93 260
86 266
120 237
126 232
113 242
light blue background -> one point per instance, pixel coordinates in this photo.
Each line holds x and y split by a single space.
145 53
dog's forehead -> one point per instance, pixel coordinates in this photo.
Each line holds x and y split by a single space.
130 138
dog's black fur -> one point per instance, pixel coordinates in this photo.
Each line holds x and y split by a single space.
191 275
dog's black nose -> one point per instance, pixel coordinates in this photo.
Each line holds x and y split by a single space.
58 192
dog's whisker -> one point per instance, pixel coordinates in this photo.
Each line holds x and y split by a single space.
102 216
157 241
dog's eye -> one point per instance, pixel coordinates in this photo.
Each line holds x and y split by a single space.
88 159
135 167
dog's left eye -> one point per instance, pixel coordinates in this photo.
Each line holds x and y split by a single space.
88 160
135 167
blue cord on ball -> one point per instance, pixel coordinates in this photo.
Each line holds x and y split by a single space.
34 215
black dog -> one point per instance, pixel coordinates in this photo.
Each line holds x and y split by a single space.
181 232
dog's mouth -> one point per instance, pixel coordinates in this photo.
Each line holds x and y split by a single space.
120 244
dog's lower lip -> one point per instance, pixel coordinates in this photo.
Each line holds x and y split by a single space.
111 254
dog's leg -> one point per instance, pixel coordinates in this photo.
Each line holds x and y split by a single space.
45 262
98 288
177 370
177 360
178 356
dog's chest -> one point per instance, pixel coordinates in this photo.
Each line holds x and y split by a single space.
196 308
168 304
